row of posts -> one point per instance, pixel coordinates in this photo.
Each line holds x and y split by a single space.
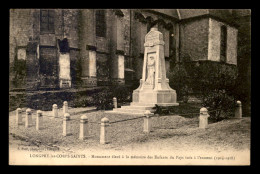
55 109
28 116
84 133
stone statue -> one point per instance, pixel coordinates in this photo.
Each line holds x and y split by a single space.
150 71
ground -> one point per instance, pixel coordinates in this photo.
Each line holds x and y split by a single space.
170 133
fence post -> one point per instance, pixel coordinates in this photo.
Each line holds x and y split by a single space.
66 125
39 120
83 131
147 121
103 131
65 107
55 110
115 102
19 118
203 118
28 118
238 111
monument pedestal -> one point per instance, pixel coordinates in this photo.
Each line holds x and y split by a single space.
148 95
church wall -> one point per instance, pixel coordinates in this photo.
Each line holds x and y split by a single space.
194 40
125 34
21 28
214 42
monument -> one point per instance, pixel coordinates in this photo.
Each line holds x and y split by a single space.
154 87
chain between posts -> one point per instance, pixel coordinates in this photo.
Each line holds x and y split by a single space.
71 119
118 121
126 119
157 115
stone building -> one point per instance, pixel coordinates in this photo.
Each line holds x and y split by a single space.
79 48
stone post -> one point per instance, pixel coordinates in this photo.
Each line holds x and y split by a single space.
238 111
55 110
39 120
83 132
203 118
19 118
115 102
103 131
28 118
147 121
65 107
66 125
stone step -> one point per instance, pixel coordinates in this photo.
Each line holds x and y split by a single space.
137 107
142 104
130 110
124 112
153 105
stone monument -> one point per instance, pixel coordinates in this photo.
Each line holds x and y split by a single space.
154 87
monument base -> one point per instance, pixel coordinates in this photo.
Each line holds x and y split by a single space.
146 100
161 98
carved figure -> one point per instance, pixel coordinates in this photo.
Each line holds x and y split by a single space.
150 71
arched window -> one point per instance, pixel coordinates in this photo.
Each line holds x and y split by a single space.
47 21
223 44
100 23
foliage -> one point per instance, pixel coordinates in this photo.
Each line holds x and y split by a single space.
179 81
213 81
83 101
188 110
19 70
104 99
161 110
220 103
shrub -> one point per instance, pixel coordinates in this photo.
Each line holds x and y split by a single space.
83 101
178 81
122 93
104 99
220 103
18 71
214 82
